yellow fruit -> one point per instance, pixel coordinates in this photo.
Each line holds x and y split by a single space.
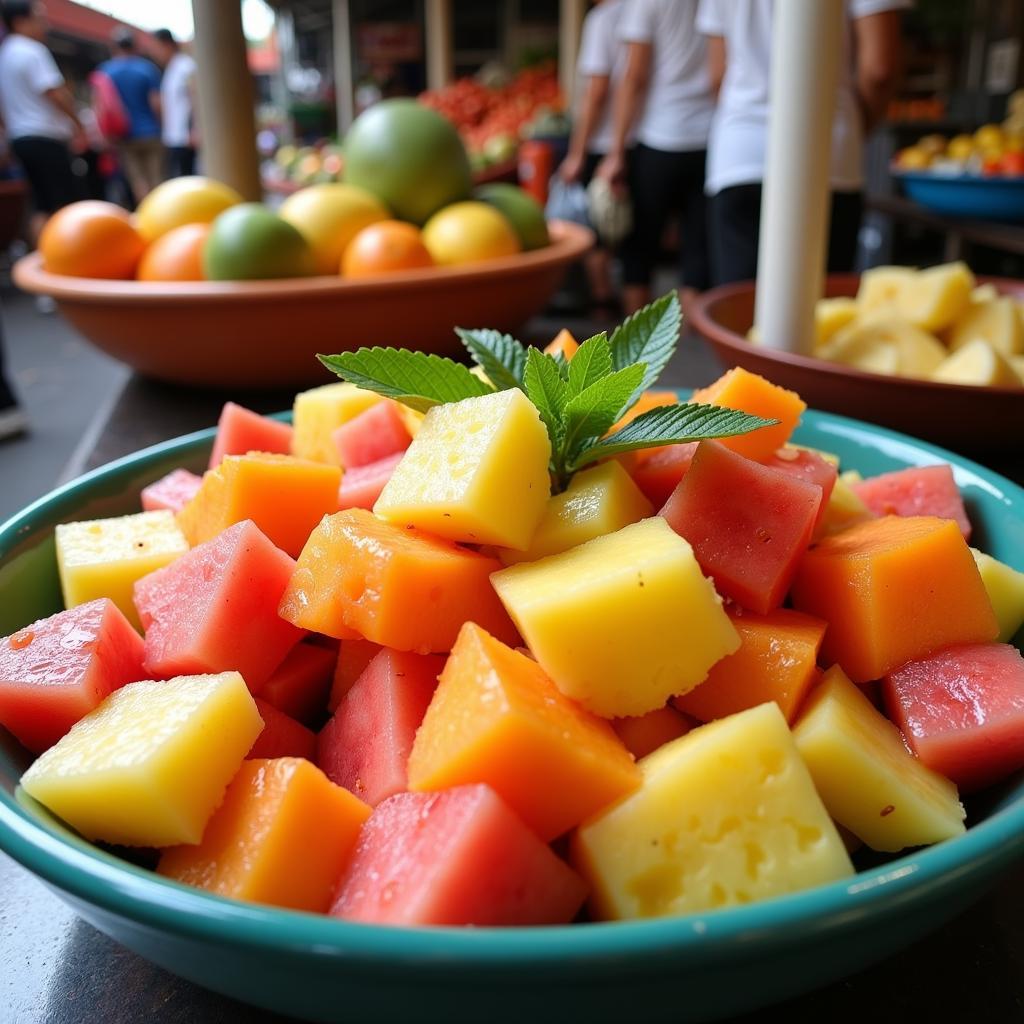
868 780
913 158
1005 588
1017 364
998 322
831 315
933 144
880 287
189 200
725 815
984 293
934 298
977 363
317 413
467 232
960 147
989 136
844 508
885 346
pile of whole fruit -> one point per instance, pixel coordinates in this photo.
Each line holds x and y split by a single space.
307 165
406 202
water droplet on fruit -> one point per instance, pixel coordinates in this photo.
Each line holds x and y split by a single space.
20 640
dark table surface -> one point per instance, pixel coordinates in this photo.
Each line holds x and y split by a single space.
54 968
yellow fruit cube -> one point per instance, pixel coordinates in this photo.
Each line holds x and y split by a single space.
934 298
831 315
725 815
597 501
1005 588
104 557
317 413
977 363
622 622
997 322
150 765
477 472
984 293
1017 365
868 780
880 287
886 345
844 508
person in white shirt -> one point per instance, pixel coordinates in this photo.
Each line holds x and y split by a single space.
739 53
666 95
177 91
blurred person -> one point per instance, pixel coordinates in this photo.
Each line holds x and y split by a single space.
739 53
599 68
137 81
177 103
13 420
665 93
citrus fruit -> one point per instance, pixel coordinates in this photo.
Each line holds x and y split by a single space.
524 213
410 157
248 242
189 200
989 136
960 147
383 247
176 256
329 216
91 239
467 232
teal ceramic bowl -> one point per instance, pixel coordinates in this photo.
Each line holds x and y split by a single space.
694 968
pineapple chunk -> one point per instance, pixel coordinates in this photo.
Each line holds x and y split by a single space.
1005 588
317 413
725 815
149 766
886 345
934 298
984 293
104 557
868 780
844 508
622 622
880 287
1017 365
831 315
977 363
598 501
477 471
997 322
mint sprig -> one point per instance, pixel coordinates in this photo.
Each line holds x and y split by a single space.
579 400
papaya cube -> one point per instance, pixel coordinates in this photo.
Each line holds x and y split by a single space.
317 413
353 657
57 670
647 401
893 589
749 524
746 391
459 857
1005 588
361 485
372 435
476 472
215 609
365 747
622 622
777 661
282 736
597 501
399 588
644 734
868 780
172 492
726 815
240 431
563 343
104 557
497 718
252 487
282 836
149 766
300 684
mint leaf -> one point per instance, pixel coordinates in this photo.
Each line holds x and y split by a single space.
593 360
415 379
590 413
649 336
544 386
502 358
672 424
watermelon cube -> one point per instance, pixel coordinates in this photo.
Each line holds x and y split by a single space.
353 657
282 736
216 609
365 746
918 491
749 524
657 471
240 431
57 670
458 857
804 464
299 685
374 434
172 492
962 711
361 485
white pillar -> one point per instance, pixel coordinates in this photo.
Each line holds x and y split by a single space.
344 86
806 50
440 28
570 25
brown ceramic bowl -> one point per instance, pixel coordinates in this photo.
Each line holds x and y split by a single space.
956 416
252 334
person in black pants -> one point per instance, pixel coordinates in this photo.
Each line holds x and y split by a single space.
12 417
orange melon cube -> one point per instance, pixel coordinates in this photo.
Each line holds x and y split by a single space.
282 836
893 589
497 718
643 734
740 389
776 660
564 343
647 401
284 496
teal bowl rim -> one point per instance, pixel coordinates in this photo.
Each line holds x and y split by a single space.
93 876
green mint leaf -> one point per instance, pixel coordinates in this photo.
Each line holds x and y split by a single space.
593 360
502 358
590 413
544 386
649 336
672 424
415 379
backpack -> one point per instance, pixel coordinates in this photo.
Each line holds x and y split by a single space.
111 117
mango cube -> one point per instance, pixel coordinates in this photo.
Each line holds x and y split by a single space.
622 622
150 765
317 413
104 557
477 472
935 297
997 321
726 815
597 501
868 780
1005 588
831 315
880 288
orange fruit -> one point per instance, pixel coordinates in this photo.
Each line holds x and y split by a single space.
176 256
384 247
91 239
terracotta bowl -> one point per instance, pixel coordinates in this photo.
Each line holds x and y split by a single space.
976 419
253 334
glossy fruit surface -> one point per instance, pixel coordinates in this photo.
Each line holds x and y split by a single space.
91 239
